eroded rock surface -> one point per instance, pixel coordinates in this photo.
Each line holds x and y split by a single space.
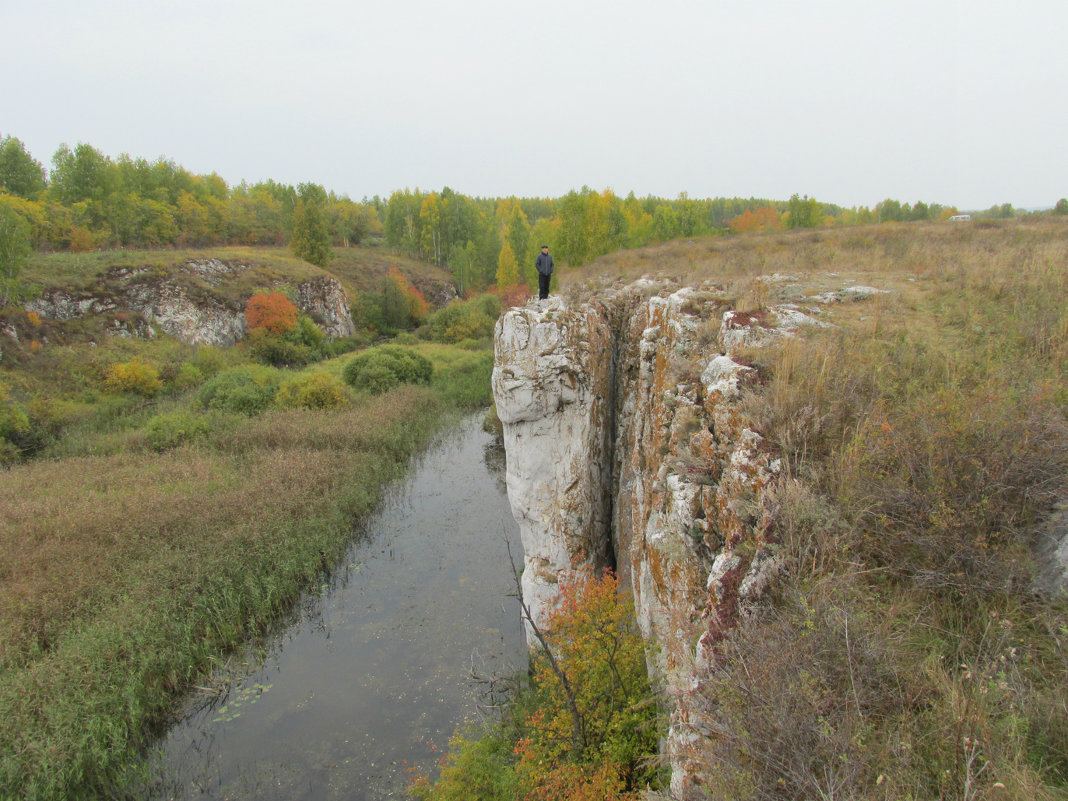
626 443
189 310
552 383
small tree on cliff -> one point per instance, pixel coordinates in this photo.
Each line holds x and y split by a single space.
585 730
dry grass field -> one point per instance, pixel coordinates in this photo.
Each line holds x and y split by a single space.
906 653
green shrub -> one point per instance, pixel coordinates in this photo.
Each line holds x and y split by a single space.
309 334
300 345
488 304
460 320
136 376
166 431
13 419
246 390
479 764
209 360
188 376
463 380
14 423
342 345
277 350
312 391
366 312
382 368
375 378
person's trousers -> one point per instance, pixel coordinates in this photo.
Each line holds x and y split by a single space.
543 285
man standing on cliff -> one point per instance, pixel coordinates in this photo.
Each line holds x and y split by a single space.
544 266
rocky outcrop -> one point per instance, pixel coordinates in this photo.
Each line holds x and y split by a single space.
627 445
1052 552
552 384
326 303
185 304
168 307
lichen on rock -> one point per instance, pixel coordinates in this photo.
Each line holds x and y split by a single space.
627 444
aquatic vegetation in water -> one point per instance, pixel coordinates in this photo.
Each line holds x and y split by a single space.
244 696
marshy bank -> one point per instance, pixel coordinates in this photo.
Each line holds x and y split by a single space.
126 573
370 676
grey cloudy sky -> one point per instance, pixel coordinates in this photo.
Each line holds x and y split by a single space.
848 101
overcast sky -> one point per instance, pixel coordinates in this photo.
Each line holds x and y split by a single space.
848 101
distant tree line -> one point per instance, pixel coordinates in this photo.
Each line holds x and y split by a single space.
88 200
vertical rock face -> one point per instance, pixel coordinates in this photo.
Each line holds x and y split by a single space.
325 301
552 382
625 439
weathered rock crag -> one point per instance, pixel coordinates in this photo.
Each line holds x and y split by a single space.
169 303
627 446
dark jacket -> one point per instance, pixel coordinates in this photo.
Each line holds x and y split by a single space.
544 264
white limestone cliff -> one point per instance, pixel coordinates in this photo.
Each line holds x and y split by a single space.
552 386
626 443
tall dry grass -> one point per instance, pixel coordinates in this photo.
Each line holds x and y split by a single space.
906 655
121 575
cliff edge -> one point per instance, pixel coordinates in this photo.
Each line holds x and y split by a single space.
627 446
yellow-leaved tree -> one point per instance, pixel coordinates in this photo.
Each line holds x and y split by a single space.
507 268
596 721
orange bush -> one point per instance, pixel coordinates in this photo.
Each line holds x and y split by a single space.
763 219
271 311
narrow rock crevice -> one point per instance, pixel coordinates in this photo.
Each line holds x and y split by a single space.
621 452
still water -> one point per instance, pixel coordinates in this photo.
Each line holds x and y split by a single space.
372 673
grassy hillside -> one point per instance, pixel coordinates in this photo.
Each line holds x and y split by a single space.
357 268
360 269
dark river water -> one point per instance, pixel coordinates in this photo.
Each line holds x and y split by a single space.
373 672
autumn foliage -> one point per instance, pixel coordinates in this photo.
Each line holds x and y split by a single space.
514 296
410 300
596 646
764 218
136 376
272 312
584 730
